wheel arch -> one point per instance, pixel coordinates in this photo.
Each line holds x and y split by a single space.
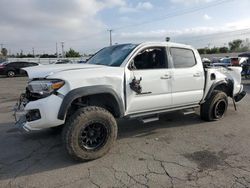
106 92
226 86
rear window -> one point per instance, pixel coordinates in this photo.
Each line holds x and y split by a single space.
182 58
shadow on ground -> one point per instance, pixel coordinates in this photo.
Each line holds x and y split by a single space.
36 152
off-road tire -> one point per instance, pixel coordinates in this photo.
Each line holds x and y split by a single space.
81 119
11 73
208 109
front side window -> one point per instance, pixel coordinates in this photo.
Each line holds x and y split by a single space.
150 58
113 55
182 58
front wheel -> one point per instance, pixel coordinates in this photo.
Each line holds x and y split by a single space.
11 73
89 133
215 107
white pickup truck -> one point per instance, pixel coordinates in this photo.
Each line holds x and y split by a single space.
123 81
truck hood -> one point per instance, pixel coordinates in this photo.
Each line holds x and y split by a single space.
48 70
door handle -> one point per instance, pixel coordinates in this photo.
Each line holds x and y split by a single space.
166 76
197 74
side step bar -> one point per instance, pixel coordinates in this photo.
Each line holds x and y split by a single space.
149 119
189 111
155 113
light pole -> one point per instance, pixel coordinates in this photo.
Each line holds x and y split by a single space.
62 43
110 36
56 50
33 51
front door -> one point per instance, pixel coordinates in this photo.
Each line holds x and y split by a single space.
151 66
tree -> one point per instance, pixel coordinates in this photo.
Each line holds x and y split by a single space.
202 51
4 52
235 45
223 50
214 50
72 53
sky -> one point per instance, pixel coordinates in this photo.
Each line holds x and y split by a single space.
83 24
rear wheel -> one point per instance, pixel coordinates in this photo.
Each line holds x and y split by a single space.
89 133
215 107
11 73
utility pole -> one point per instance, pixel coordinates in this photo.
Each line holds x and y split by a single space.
33 51
110 36
62 43
56 50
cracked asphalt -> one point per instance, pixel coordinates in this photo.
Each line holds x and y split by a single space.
177 151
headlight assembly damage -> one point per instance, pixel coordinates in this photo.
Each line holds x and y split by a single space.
43 88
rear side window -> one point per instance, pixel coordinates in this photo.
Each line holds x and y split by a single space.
11 64
182 58
32 64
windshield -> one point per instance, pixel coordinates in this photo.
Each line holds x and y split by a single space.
113 55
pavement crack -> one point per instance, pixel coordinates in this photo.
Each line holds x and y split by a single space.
131 177
166 172
236 167
28 156
90 179
241 180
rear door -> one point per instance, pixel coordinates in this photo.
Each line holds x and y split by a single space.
151 66
188 77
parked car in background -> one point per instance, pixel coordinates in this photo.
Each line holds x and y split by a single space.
11 69
81 61
245 64
223 62
63 61
227 61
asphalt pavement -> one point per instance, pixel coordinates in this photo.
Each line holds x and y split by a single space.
176 151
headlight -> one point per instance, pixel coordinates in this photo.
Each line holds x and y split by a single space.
45 87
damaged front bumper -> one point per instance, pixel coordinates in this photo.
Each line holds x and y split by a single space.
38 114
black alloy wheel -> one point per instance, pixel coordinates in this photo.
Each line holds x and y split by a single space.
93 136
220 109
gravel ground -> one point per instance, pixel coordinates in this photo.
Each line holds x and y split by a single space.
177 151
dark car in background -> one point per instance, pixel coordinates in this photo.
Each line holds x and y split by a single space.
11 69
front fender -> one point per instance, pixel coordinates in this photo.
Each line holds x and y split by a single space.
86 91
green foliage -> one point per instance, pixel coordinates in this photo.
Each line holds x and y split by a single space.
214 50
202 50
4 52
72 53
235 45
223 50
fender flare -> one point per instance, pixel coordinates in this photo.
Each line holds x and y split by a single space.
229 84
85 91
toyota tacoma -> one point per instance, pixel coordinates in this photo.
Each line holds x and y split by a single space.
123 81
